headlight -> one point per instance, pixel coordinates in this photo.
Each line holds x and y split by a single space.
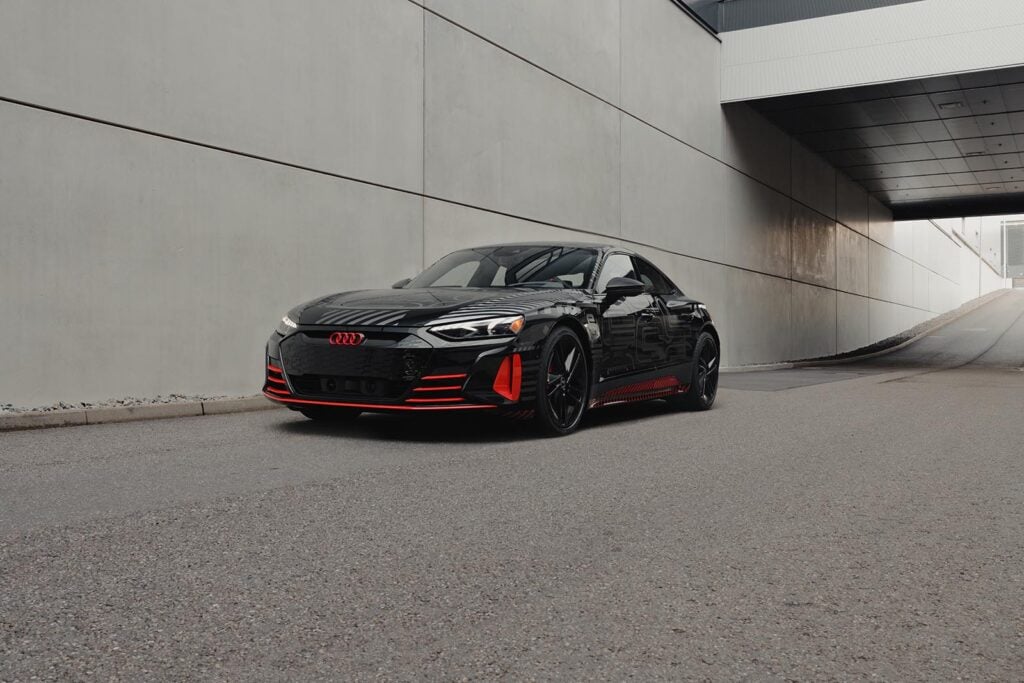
481 329
286 325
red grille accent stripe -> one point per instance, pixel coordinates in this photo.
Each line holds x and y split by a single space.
273 369
275 380
282 392
457 387
430 377
371 406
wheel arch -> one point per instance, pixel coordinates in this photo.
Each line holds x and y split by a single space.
581 332
710 329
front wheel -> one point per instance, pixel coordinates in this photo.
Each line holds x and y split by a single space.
704 377
563 384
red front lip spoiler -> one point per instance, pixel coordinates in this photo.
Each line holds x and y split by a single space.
374 406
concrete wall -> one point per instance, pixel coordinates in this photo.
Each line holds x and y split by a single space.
902 42
174 176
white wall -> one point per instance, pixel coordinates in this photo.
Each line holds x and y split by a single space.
174 176
902 42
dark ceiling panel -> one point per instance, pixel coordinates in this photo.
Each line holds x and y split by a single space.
931 130
952 142
984 204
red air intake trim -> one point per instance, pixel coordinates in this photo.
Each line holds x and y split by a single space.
509 380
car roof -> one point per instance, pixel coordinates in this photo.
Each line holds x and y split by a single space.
584 245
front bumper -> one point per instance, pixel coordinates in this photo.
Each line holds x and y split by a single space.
392 370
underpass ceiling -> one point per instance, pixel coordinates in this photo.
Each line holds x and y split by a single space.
939 147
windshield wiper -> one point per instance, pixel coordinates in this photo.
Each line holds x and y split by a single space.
547 284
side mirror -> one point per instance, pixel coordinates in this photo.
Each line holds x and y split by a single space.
623 286
401 283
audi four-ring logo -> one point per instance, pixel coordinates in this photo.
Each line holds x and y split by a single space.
346 338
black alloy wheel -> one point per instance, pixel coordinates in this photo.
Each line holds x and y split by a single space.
564 386
704 382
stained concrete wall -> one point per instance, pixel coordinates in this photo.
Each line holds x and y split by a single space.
174 176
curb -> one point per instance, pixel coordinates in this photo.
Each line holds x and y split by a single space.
758 368
93 416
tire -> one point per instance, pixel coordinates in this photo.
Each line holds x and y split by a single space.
335 415
704 378
563 383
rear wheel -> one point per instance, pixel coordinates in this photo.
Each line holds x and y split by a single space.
563 385
336 415
704 378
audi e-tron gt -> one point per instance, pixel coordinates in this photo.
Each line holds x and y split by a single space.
531 331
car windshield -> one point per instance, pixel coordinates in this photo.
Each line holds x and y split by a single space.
511 266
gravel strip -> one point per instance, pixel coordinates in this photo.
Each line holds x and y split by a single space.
128 401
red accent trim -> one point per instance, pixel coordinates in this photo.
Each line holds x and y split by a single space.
275 379
370 406
432 400
283 392
509 380
444 377
457 387
641 391
273 369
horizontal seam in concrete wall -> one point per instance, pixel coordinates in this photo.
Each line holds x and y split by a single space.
620 109
371 183
342 176
656 128
888 248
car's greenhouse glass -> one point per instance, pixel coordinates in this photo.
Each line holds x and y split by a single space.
511 266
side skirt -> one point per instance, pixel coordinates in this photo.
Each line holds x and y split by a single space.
642 386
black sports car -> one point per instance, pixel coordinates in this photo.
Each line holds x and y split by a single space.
533 331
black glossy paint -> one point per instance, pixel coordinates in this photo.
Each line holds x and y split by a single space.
634 343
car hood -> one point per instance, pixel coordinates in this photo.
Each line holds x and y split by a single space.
407 307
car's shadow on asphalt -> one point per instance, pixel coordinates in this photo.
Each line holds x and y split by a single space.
460 428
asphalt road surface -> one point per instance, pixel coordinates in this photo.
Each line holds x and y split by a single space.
838 523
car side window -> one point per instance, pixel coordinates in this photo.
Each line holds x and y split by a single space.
616 265
656 282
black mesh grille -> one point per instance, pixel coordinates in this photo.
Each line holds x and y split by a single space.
348 387
377 367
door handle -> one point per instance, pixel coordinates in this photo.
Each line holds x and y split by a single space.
647 315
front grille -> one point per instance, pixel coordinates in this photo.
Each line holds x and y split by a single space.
380 367
348 387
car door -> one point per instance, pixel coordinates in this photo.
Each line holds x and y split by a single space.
652 342
680 315
620 318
